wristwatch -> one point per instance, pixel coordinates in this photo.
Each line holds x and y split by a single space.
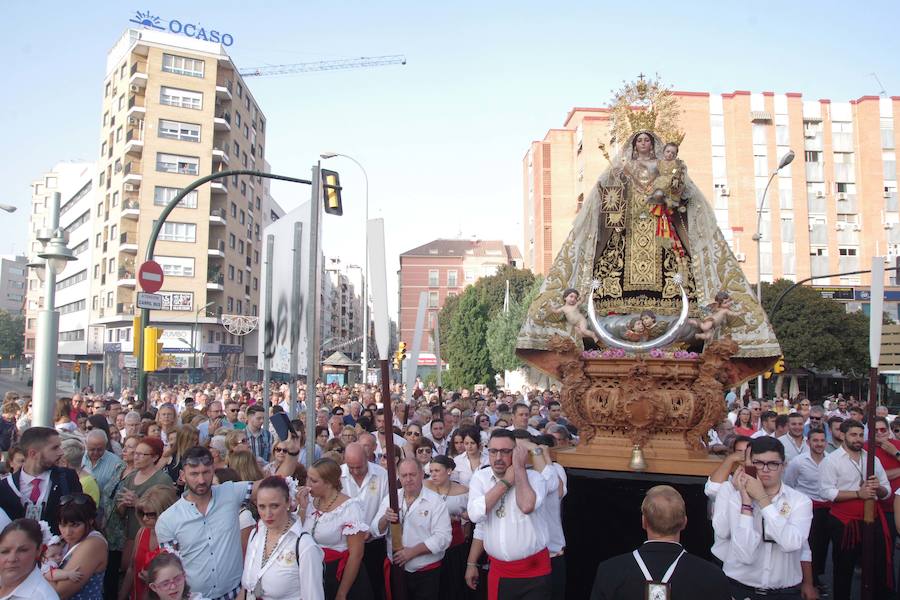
537 451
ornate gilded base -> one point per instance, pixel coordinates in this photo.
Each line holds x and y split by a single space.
666 406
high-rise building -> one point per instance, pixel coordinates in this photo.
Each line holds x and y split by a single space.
444 268
79 342
175 109
341 311
830 211
13 283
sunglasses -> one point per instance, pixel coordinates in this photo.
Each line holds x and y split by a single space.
279 450
76 499
414 433
147 515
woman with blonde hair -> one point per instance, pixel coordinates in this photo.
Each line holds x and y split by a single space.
245 464
348 434
236 440
153 503
186 438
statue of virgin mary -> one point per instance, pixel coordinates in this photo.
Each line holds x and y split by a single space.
629 252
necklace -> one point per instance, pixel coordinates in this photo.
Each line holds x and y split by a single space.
318 513
443 495
266 554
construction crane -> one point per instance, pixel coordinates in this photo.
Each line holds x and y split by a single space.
325 65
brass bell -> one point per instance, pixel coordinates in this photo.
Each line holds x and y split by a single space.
637 462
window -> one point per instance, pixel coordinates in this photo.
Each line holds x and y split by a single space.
230 272
233 209
174 163
433 278
84 218
176 266
80 248
72 307
102 148
230 304
237 118
470 275
115 199
432 299
72 280
178 232
71 336
175 130
182 65
232 241
452 278
163 195
181 98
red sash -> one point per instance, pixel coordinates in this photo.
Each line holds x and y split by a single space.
536 565
817 504
387 575
457 536
850 513
340 557
665 228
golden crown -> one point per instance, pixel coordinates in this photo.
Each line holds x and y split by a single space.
645 105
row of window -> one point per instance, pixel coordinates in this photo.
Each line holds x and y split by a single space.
72 336
434 278
70 281
72 307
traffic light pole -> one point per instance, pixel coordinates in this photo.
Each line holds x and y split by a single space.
151 246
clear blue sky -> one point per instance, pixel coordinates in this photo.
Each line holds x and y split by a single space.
443 137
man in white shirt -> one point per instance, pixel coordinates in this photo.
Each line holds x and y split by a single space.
367 482
767 424
845 485
379 438
761 526
438 435
505 502
520 415
425 530
803 475
794 444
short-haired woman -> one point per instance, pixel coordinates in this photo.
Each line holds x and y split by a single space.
86 549
337 524
21 545
456 496
282 561
73 457
152 504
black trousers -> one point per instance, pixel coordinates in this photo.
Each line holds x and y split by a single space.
742 592
423 585
527 588
845 559
373 562
558 577
111 577
819 538
359 590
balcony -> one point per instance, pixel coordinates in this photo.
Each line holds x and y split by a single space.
217 216
217 251
223 91
222 121
138 75
131 209
136 107
131 175
126 278
134 141
219 155
218 186
128 243
215 282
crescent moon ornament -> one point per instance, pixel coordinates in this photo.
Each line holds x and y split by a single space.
664 340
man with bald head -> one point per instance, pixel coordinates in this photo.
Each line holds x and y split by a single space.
368 483
368 442
661 566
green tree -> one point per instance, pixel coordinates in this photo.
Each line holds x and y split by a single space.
12 334
504 328
815 332
466 348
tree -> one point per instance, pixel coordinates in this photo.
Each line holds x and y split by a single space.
12 334
467 351
815 332
504 328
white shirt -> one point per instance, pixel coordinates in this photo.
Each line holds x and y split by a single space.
293 570
440 446
425 521
515 535
803 475
330 529
379 450
773 562
763 433
791 449
34 587
552 509
529 428
840 473
462 472
370 492
25 485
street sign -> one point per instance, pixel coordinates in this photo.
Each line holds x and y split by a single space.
150 276
149 301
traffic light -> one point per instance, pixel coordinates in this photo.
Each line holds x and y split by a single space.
136 336
331 186
401 351
779 365
152 349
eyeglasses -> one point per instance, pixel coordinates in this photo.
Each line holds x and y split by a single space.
772 465
503 451
170 583
147 515
232 410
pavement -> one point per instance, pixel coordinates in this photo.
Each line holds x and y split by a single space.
12 383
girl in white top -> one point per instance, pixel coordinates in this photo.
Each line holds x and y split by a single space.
456 497
282 562
471 460
335 522
20 574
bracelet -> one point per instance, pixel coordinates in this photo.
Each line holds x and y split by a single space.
297 453
506 483
747 507
468 564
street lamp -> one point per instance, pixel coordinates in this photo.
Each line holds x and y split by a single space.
55 255
757 237
8 208
364 360
194 330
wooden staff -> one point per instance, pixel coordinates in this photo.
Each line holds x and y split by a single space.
397 581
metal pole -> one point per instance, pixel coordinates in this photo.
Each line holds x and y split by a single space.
312 313
365 278
47 343
758 238
267 318
295 319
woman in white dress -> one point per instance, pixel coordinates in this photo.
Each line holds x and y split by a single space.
335 522
456 496
472 459
21 543
282 562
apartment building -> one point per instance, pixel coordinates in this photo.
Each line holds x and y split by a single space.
341 312
13 283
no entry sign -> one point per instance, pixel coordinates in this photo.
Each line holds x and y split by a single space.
150 276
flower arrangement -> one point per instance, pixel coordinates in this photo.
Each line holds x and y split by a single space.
658 353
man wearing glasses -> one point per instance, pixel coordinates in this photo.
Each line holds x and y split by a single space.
845 484
761 527
231 415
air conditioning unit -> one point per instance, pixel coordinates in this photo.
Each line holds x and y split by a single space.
134 87
857 227
820 194
133 120
129 187
841 195
840 226
741 257
724 191
889 225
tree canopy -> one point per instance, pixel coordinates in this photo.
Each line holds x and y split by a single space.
12 334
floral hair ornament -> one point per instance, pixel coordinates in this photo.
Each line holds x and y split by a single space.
46 535
293 486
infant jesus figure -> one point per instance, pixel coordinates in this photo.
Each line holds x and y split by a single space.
571 310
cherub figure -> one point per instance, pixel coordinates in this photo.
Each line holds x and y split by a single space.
635 331
571 310
652 328
719 311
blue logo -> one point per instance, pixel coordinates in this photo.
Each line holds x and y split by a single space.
148 20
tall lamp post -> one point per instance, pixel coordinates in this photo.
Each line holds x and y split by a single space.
364 360
757 237
194 330
55 255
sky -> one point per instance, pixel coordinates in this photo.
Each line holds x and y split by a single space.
443 137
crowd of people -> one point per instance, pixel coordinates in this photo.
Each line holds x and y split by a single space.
194 497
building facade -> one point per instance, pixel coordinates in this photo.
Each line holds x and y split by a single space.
444 268
341 312
13 284
176 109
830 211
